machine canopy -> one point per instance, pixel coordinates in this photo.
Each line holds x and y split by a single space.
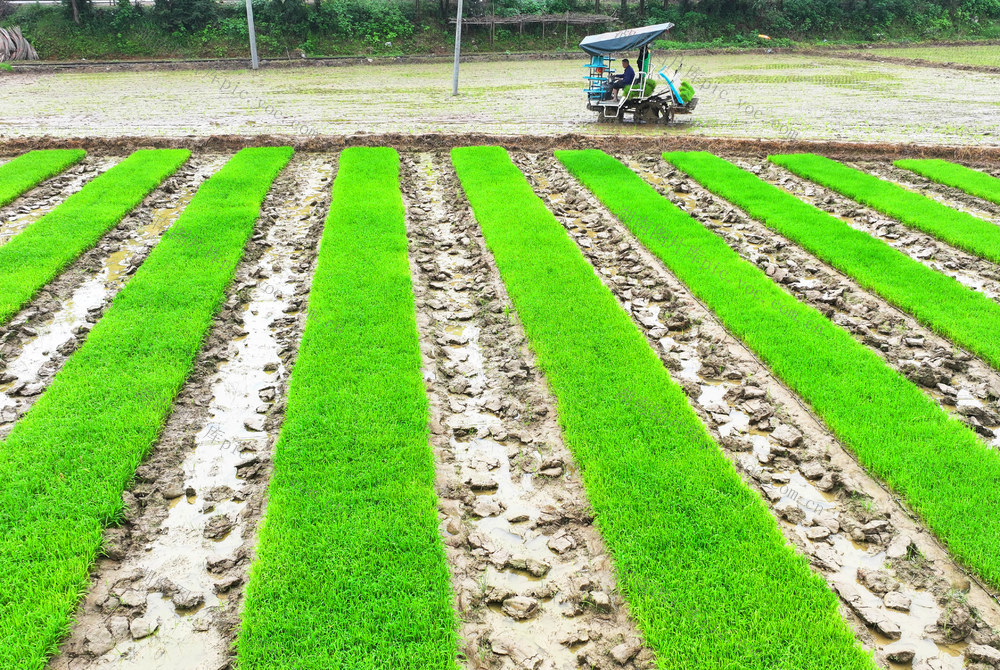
623 40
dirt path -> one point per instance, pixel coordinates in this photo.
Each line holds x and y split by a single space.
905 597
168 592
535 585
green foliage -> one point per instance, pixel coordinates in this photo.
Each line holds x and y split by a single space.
6 67
350 569
696 551
65 464
40 252
942 469
205 28
968 318
913 209
27 171
373 21
971 181
185 14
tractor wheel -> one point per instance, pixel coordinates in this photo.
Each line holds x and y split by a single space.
647 112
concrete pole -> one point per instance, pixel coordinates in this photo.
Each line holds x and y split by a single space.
254 63
458 48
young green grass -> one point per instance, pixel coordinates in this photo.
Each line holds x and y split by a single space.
66 463
351 570
30 169
900 435
968 318
957 176
917 211
35 256
705 570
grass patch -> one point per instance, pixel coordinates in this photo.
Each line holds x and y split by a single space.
957 176
30 169
917 211
900 435
36 255
705 570
66 463
968 318
351 570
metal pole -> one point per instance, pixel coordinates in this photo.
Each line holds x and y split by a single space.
254 63
458 48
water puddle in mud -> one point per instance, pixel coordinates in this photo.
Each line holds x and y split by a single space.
208 524
39 357
816 526
518 481
35 204
198 510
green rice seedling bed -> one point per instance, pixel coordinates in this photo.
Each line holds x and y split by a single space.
30 169
957 176
900 435
66 463
351 570
36 255
969 319
705 569
912 209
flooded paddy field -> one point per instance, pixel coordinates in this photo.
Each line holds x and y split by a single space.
766 96
533 578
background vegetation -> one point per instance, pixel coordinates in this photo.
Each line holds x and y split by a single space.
292 28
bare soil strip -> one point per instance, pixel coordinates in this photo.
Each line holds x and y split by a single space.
970 155
37 341
535 585
168 592
906 598
914 62
962 384
972 271
45 197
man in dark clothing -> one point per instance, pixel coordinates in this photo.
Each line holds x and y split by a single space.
620 81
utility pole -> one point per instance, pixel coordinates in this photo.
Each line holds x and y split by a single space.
458 48
254 63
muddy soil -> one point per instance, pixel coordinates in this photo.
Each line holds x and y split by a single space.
168 590
535 586
45 197
976 156
912 62
36 342
959 382
907 600
811 98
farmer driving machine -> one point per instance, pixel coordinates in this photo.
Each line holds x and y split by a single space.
643 98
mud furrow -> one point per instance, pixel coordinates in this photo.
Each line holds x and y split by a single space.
167 593
534 584
37 341
905 597
45 197
959 382
969 270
